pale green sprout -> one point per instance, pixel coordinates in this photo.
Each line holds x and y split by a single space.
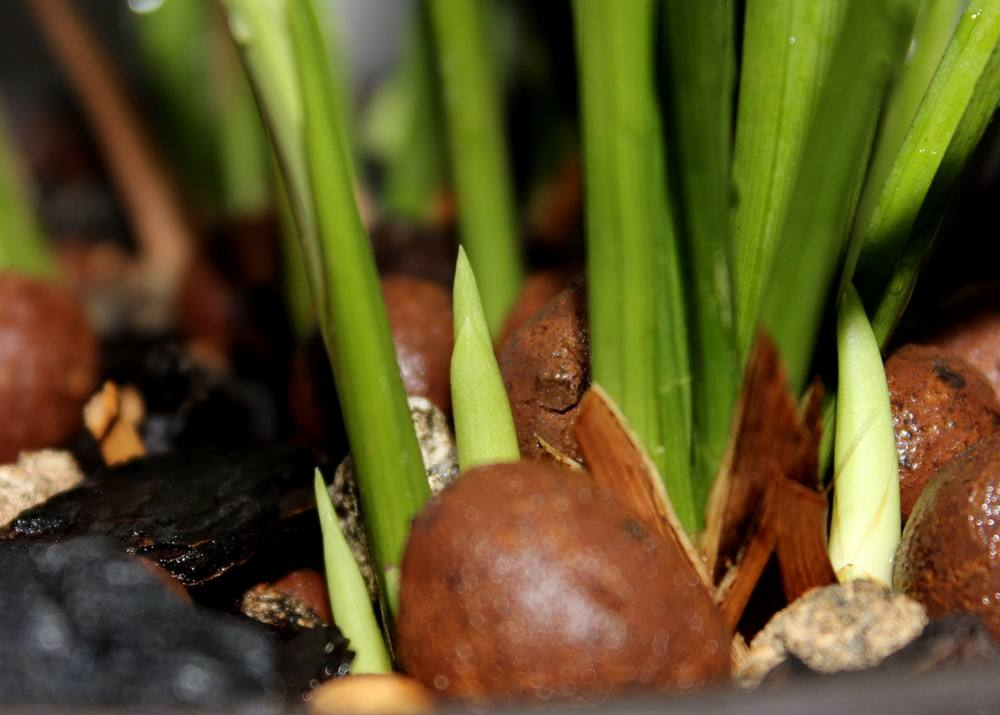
865 528
484 427
349 600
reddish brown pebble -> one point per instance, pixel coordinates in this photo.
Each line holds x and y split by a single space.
970 329
48 365
940 406
526 581
420 317
949 557
309 587
546 369
540 289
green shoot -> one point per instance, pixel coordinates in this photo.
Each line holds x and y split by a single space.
700 67
892 200
23 248
865 526
478 150
484 427
786 51
349 601
389 466
639 348
871 42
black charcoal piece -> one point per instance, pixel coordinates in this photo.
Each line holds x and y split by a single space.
83 625
196 513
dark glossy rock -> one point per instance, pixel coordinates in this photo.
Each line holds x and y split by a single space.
198 513
81 624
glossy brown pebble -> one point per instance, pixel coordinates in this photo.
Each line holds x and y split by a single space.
940 406
949 557
309 587
525 581
546 369
970 329
421 320
48 365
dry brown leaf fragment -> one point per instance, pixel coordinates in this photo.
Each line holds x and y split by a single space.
619 464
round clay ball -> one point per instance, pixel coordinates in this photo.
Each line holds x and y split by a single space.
422 328
526 581
949 557
940 406
546 369
48 364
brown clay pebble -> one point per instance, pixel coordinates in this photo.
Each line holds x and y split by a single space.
308 586
970 329
389 694
48 365
526 581
949 557
420 317
546 369
940 406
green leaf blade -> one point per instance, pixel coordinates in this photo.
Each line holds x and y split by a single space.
638 323
870 45
700 66
786 52
389 466
894 195
349 600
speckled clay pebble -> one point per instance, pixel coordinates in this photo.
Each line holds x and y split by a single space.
940 405
35 477
835 628
949 556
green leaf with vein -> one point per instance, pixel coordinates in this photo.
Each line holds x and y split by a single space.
786 52
891 202
700 67
638 324
813 238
